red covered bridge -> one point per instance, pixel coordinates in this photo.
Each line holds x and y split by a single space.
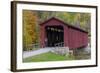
55 32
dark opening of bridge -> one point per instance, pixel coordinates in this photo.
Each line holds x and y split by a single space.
54 36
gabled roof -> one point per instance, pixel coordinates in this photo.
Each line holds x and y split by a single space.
67 24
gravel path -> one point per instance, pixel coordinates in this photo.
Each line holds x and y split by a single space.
36 52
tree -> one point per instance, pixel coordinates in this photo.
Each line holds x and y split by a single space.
30 35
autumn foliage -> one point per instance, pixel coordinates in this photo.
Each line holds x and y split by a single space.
30 35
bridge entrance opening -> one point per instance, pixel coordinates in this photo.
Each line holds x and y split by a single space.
54 36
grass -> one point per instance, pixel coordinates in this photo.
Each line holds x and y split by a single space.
48 57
